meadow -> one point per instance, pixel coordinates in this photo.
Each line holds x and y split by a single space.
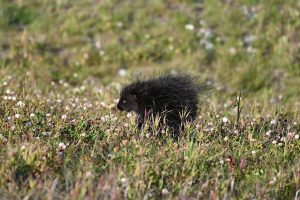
63 63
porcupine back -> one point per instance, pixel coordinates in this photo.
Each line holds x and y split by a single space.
168 93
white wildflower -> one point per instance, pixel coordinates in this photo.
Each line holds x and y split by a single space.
147 36
225 119
294 123
20 104
47 133
207 44
273 121
165 191
103 104
232 51
66 84
97 44
61 146
119 24
88 174
291 134
111 106
122 72
82 88
250 49
249 12
123 180
105 118
202 22
189 27
206 33
86 55
249 39
273 181
101 53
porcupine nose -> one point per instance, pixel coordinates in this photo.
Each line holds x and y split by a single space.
119 107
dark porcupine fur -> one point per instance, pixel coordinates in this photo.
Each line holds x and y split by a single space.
168 97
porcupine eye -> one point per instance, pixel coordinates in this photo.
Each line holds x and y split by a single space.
124 101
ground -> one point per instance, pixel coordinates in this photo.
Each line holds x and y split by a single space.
63 63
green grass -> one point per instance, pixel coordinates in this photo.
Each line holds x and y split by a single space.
61 65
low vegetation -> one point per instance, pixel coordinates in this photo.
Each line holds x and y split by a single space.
63 63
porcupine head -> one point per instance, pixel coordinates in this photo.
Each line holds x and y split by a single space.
128 100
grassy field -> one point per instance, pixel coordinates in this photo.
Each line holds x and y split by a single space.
63 63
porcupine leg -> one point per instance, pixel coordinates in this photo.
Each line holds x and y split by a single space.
140 121
141 117
174 125
174 132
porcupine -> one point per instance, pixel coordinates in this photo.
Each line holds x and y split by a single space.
172 98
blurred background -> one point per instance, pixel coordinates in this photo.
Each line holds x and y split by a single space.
238 45
63 63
